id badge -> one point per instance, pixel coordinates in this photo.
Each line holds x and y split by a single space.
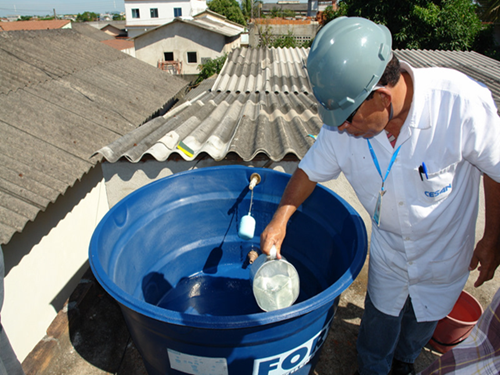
378 207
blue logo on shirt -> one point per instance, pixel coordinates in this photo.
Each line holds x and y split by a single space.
434 194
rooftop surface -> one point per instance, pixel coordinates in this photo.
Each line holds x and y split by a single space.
89 335
64 95
262 103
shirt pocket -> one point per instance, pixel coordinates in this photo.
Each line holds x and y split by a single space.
437 185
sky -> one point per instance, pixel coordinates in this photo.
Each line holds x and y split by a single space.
46 7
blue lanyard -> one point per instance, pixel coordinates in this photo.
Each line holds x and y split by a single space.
375 161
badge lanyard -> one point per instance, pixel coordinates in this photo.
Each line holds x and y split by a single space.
378 206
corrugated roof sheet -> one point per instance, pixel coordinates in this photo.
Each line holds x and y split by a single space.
64 95
261 103
475 65
90 31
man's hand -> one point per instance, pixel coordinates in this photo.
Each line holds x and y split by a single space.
274 234
487 252
487 256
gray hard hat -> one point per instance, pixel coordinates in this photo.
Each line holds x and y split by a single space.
346 60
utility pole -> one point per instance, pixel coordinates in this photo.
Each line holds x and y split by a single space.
55 14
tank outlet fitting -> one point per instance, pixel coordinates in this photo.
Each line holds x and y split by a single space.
254 180
252 255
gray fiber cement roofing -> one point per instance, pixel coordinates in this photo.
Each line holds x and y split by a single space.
90 31
261 103
62 96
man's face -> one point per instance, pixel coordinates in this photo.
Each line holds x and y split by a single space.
369 120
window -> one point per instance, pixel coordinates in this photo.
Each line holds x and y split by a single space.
168 56
135 13
177 12
192 58
154 12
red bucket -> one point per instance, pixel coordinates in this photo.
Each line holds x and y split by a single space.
455 328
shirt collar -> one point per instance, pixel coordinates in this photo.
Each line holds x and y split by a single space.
417 109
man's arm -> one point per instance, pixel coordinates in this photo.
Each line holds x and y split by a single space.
298 189
487 252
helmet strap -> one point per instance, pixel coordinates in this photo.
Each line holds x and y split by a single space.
391 113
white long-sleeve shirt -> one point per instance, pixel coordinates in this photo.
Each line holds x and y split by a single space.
425 240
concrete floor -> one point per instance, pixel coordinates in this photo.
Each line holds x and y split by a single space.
89 336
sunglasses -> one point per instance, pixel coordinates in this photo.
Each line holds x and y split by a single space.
351 116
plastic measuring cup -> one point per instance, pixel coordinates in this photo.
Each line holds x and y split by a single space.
276 283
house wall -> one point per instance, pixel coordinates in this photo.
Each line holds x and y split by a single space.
133 31
165 10
302 31
45 262
179 38
129 51
122 177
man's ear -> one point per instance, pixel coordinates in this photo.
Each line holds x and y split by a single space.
385 97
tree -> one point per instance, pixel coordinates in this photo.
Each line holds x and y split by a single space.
87 17
282 13
267 39
228 8
209 68
250 8
285 41
329 14
118 17
438 24
489 10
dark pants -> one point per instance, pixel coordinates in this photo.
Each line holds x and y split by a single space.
383 337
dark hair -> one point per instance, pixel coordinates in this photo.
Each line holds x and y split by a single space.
391 75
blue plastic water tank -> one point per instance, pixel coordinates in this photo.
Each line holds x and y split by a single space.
170 254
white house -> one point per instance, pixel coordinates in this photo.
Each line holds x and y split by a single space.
145 15
181 45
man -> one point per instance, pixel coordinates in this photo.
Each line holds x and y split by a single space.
413 144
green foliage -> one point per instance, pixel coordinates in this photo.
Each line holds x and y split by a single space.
87 17
284 41
25 18
485 43
489 10
439 24
228 8
118 17
211 67
267 39
265 35
282 13
250 8
275 12
330 14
